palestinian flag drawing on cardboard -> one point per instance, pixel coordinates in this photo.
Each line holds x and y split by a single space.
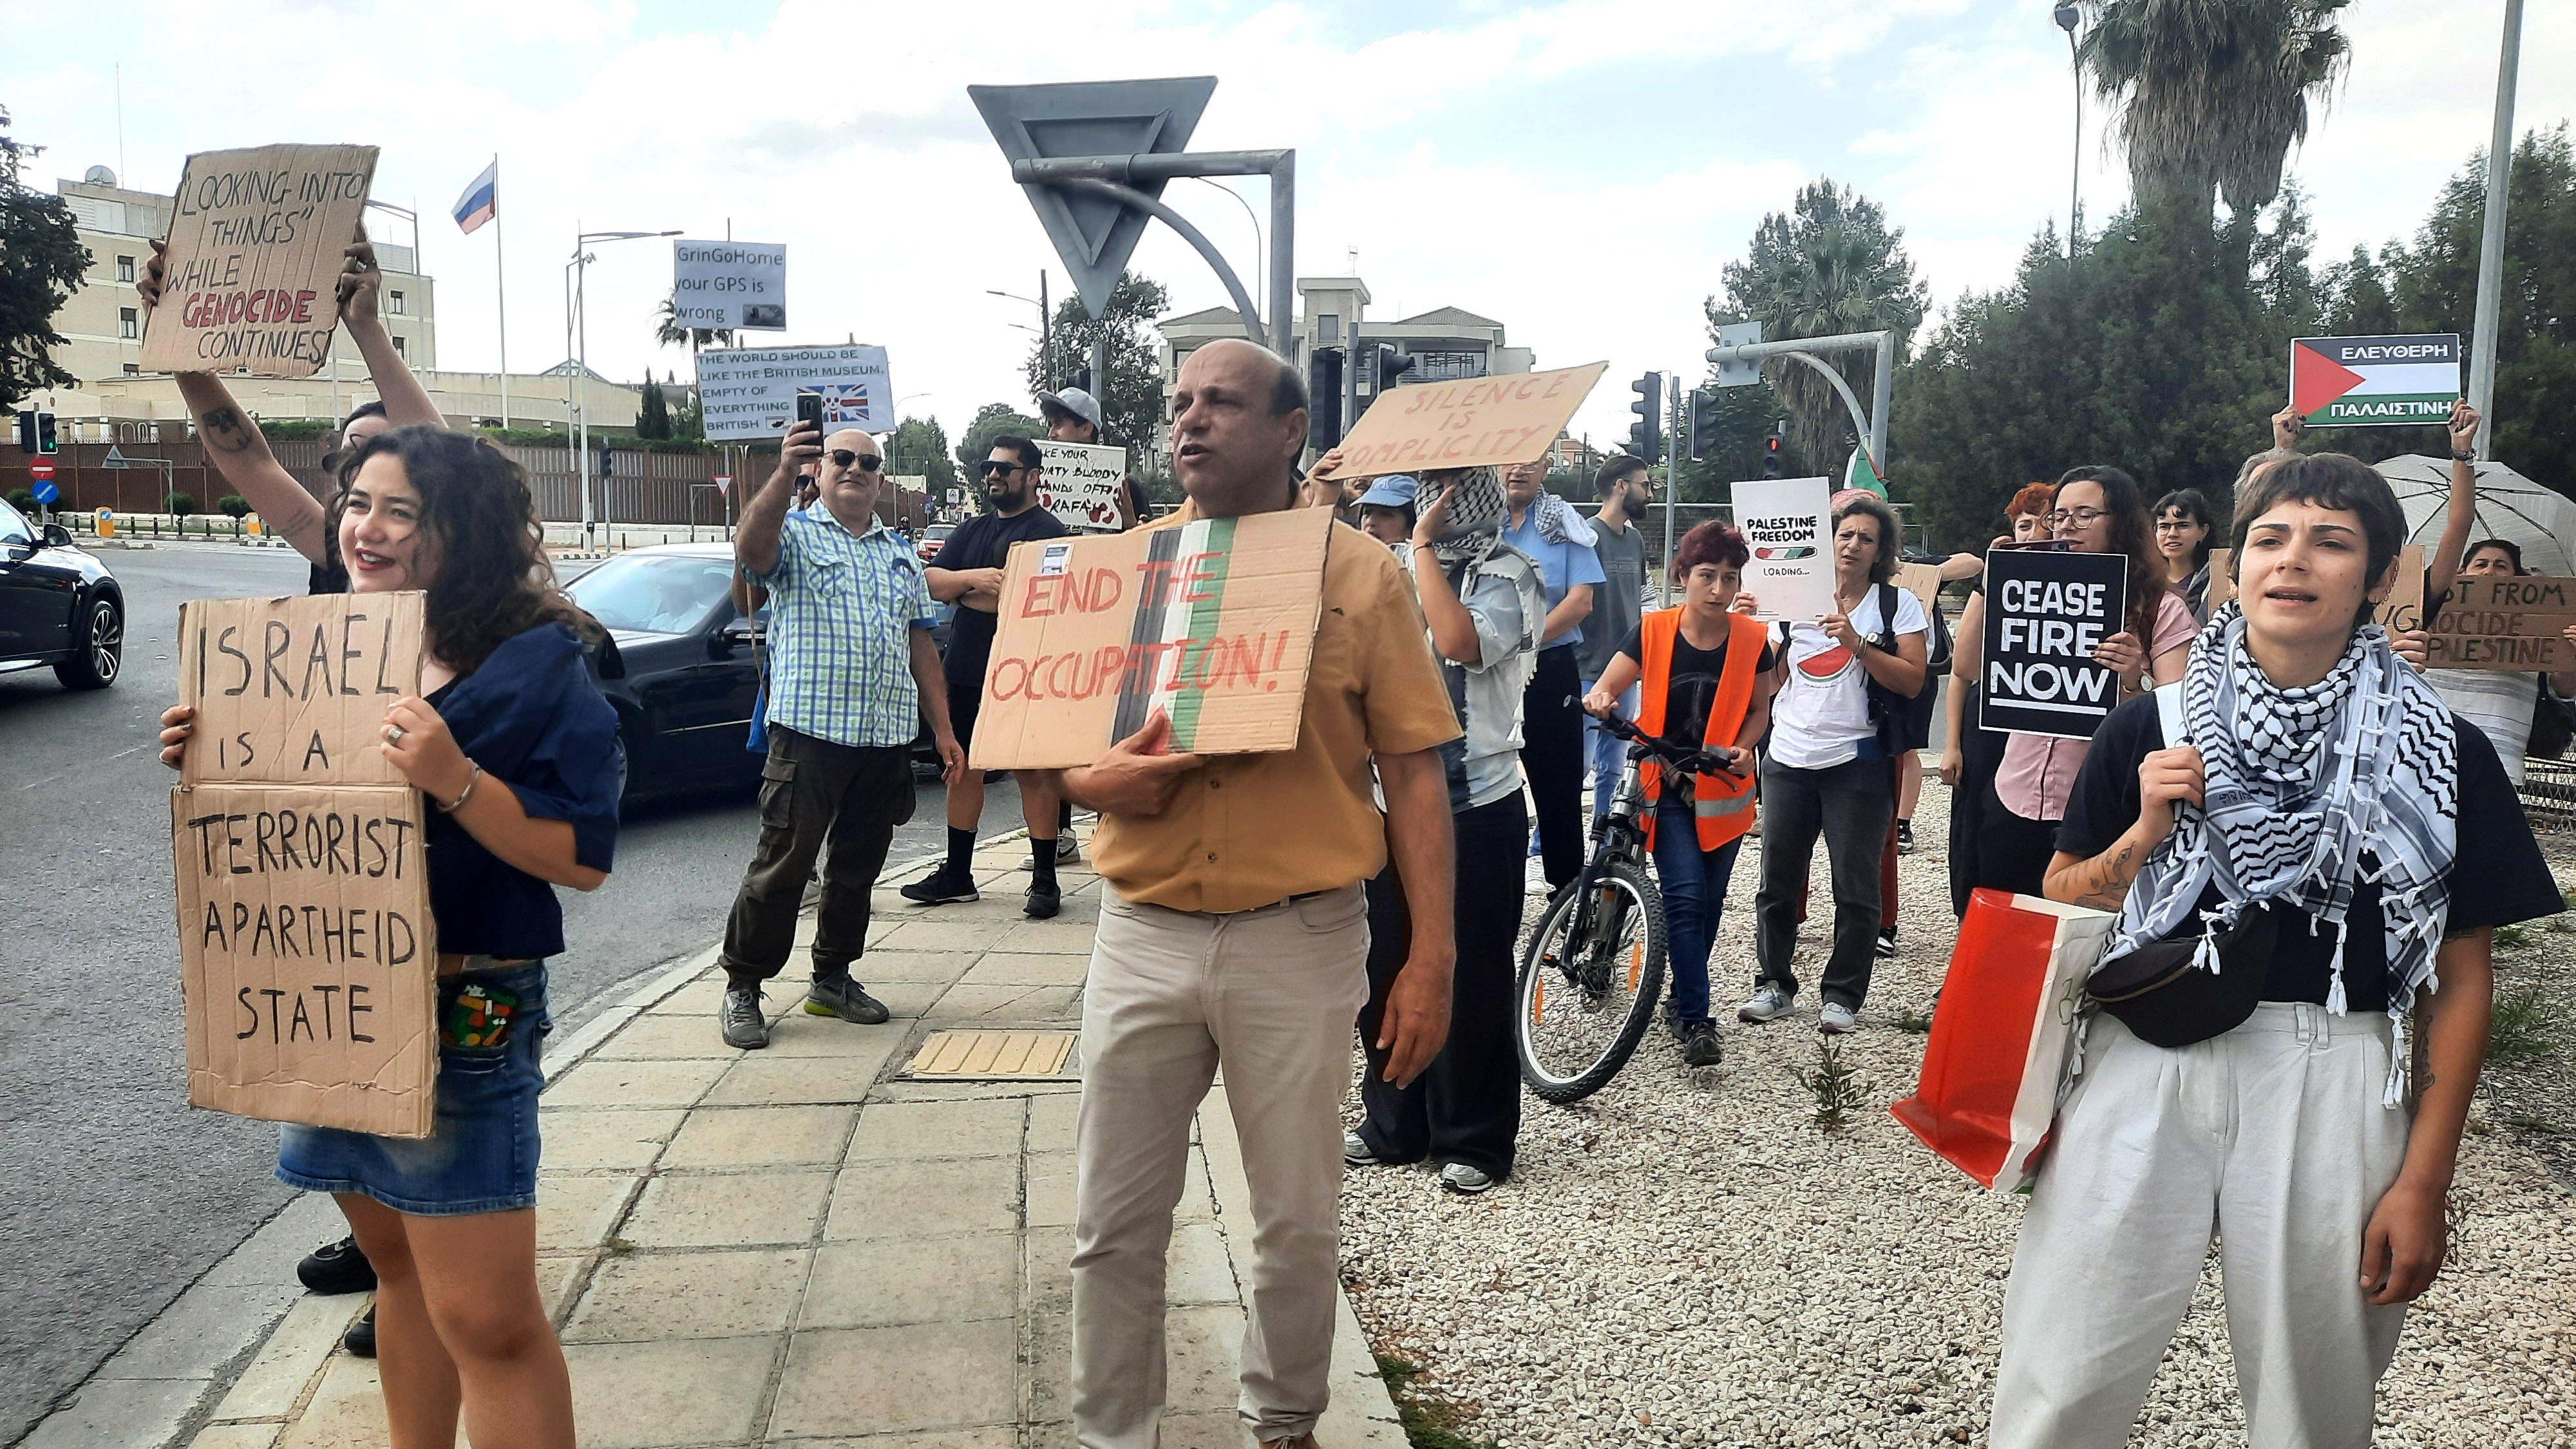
2375 382
1211 621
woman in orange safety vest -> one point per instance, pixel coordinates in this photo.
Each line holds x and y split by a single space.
1706 672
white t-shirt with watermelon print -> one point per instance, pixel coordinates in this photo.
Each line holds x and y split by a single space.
1820 718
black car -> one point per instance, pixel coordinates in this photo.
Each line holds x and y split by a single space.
58 605
678 667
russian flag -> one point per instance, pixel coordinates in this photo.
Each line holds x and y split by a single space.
481 199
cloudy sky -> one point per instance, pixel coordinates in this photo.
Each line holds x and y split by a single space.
1580 171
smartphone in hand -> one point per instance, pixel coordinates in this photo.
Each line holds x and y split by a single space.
809 412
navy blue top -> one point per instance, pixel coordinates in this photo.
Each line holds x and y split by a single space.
533 720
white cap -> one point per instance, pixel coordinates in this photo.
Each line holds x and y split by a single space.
1075 401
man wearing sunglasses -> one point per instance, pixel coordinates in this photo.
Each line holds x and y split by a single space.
852 673
969 575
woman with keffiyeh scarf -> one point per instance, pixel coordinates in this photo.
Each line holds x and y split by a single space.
2323 781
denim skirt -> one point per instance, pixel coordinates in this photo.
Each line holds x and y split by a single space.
481 1154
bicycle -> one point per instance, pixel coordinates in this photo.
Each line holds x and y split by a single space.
1593 972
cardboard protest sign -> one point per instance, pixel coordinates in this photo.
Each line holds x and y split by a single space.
257 240
307 954
749 393
293 691
729 285
1211 621
1495 421
1787 523
1078 483
2403 609
1923 581
2045 613
2510 622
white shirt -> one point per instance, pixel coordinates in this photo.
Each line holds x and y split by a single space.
2498 702
1821 716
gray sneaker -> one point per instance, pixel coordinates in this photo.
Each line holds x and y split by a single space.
1838 1020
1357 1152
845 998
1066 851
1458 1177
744 1027
1770 1003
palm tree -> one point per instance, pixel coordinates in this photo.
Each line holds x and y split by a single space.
2212 94
668 332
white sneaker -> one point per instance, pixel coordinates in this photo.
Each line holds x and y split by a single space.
1768 1004
1461 1178
1838 1020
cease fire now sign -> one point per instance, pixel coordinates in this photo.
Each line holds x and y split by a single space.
2375 382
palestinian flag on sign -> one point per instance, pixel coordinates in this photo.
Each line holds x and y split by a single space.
2361 382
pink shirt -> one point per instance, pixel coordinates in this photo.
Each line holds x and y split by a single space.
2038 771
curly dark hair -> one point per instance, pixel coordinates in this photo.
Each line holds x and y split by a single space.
494 581
1710 543
1853 500
2133 532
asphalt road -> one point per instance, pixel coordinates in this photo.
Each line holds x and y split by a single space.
114 1195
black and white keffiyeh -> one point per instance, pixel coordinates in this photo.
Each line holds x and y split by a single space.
1559 523
2300 785
1477 513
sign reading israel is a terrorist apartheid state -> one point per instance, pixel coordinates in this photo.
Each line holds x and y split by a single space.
307 953
1471 422
2046 612
1211 622
257 241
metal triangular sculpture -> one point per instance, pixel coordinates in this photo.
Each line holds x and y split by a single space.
1093 234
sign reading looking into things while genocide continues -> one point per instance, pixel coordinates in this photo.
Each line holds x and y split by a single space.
2516 623
749 393
307 952
1078 483
1787 525
1211 622
1490 421
2045 613
2374 382
257 240
730 285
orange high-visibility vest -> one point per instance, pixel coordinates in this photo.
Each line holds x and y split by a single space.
1722 803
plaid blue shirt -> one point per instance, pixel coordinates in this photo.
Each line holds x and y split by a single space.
842 610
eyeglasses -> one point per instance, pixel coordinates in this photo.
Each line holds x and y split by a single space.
844 457
2175 525
996 465
2075 517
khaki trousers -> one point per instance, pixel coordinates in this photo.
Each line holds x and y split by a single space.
1269 994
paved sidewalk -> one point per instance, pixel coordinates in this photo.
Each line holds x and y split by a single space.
807 1244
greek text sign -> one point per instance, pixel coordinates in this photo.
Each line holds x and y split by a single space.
2375 382
1212 622
2514 623
730 285
749 393
2045 614
1495 421
1788 526
1078 483
257 240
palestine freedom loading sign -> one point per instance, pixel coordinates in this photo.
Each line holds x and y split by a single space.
2375 382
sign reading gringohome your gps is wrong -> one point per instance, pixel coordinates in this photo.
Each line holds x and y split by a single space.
729 285
2375 382
2045 614
257 240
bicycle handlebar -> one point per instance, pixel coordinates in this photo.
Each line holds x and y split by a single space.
1675 754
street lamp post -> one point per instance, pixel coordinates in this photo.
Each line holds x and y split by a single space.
577 328
1046 328
2068 17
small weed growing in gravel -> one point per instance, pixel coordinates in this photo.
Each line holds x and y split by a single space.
1831 1084
2521 1025
1430 1422
1917 1022
2512 938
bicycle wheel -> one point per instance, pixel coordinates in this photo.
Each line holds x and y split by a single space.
1584 1000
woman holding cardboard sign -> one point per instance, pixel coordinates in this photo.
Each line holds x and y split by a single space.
518 753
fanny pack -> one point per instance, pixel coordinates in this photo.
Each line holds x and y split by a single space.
2160 991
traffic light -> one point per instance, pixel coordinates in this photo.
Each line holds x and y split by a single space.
1082 380
1324 399
26 431
45 441
1645 436
1704 421
1390 365
1771 455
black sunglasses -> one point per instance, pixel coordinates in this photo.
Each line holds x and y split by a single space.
996 465
844 457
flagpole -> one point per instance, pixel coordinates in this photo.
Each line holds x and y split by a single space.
500 298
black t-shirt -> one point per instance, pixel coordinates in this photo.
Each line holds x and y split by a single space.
1692 686
331 578
984 542
2497 878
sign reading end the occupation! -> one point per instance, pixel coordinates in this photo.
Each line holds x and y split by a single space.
2045 614
1476 421
294 691
257 238
1211 622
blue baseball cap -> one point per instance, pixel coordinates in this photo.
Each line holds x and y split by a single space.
1395 490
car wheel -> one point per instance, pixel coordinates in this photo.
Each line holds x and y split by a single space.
626 733
102 648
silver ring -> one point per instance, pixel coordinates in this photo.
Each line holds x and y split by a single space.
393 734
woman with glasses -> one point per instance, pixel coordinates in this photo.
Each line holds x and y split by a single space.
2094 510
2184 528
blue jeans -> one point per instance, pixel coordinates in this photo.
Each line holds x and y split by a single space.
1694 885
1608 753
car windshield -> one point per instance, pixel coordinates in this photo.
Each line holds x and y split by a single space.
657 593
14 527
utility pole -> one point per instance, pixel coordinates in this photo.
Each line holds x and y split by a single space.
2482 331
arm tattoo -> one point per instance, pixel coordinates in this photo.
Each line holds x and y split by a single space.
223 429
2105 883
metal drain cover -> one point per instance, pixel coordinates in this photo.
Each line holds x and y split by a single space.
992 1054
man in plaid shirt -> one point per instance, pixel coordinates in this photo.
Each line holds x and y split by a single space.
852 673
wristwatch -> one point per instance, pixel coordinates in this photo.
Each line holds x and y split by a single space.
2459 457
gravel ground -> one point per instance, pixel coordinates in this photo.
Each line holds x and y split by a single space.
1687 1265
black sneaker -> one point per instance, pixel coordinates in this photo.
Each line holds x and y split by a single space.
940 888
360 1340
843 997
1701 1046
1043 901
1887 944
739 1015
1905 837
336 1268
